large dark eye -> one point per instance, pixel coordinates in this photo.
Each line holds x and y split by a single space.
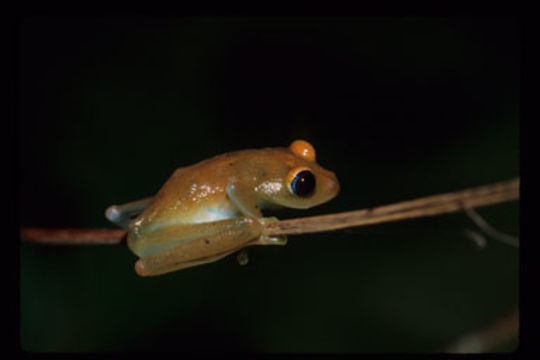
303 183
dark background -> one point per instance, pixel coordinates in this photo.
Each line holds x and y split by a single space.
397 107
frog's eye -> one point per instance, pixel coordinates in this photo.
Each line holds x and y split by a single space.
302 181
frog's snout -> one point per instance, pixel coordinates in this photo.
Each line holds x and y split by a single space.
333 185
329 186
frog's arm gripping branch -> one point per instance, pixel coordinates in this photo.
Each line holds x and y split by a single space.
420 207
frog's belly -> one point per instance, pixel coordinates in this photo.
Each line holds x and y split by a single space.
175 229
212 213
198 215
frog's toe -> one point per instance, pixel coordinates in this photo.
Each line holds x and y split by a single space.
268 220
273 240
112 213
115 215
270 240
242 257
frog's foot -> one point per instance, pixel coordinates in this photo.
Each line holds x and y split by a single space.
114 215
270 240
242 257
122 215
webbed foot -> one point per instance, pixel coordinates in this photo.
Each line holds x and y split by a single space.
270 240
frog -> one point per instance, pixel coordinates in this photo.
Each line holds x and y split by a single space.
209 210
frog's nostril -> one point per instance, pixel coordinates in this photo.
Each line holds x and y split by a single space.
333 185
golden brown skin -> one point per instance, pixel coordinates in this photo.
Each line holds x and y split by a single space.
211 209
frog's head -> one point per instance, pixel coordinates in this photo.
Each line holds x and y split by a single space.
296 180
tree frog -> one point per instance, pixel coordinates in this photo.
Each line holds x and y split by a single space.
209 210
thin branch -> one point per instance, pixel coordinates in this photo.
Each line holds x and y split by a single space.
490 231
421 207
73 236
497 334
478 239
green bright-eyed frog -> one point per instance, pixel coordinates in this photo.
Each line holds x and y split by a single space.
209 210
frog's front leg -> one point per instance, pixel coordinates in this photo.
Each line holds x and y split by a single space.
174 247
245 200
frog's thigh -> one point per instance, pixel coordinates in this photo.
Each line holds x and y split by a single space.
121 215
142 266
210 242
162 237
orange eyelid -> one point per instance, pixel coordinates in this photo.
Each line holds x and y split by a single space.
292 174
303 149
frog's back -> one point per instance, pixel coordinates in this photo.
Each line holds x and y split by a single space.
197 193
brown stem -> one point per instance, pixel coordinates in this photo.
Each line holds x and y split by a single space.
421 207
425 206
73 236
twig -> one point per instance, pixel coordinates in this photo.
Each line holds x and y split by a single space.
490 338
421 207
489 230
73 236
478 239
425 206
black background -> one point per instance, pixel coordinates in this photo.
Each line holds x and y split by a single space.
397 107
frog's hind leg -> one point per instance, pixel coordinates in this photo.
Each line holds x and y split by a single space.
196 244
147 267
122 215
